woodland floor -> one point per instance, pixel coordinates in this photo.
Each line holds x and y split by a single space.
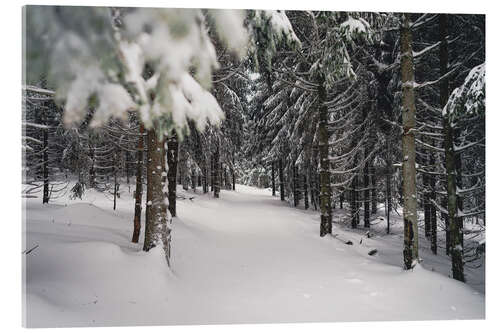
244 258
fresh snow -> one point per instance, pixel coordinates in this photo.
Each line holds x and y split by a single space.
244 258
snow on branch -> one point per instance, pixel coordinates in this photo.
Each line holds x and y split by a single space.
425 50
470 97
38 90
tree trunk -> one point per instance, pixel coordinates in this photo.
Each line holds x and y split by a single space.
282 181
306 195
458 173
205 176
354 204
427 204
45 157
444 217
296 193
212 175
234 180
149 227
272 179
216 172
366 192
410 252
193 180
172 160
115 182
341 198
127 165
388 195
138 186
158 220
432 196
325 189
373 190
92 163
455 227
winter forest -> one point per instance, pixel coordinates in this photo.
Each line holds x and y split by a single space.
209 166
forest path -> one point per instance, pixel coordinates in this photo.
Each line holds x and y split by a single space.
246 257
260 260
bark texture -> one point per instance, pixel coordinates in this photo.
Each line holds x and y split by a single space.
158 219
324 163
282 181
410 251
172 159
454 221
138 186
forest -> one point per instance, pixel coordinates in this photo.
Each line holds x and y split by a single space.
370 126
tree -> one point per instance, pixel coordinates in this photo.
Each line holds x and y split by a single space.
410 252
324 162
138 186
172 158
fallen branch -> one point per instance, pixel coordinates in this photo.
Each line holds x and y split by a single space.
184 198
343 240
29 251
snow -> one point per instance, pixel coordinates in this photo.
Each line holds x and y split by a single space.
114 101
354 27
280 25
228 23
175 41
470 95
244 258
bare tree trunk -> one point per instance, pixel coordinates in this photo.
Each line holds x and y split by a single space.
354 204
444 217
127 166
458 173
388 195
92 163
455 222
172 160
366 192
272 179
296 193
326 193
216 173
205 177
373 189
233 174
427 204
410 252
212 174
149 225
138 186
45 158
234 180
158 221
456 232
115 172
341 198
282 181
306 195
193 180
432 213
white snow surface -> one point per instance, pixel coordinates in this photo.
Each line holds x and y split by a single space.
244 258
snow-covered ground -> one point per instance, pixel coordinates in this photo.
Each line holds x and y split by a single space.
244 258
